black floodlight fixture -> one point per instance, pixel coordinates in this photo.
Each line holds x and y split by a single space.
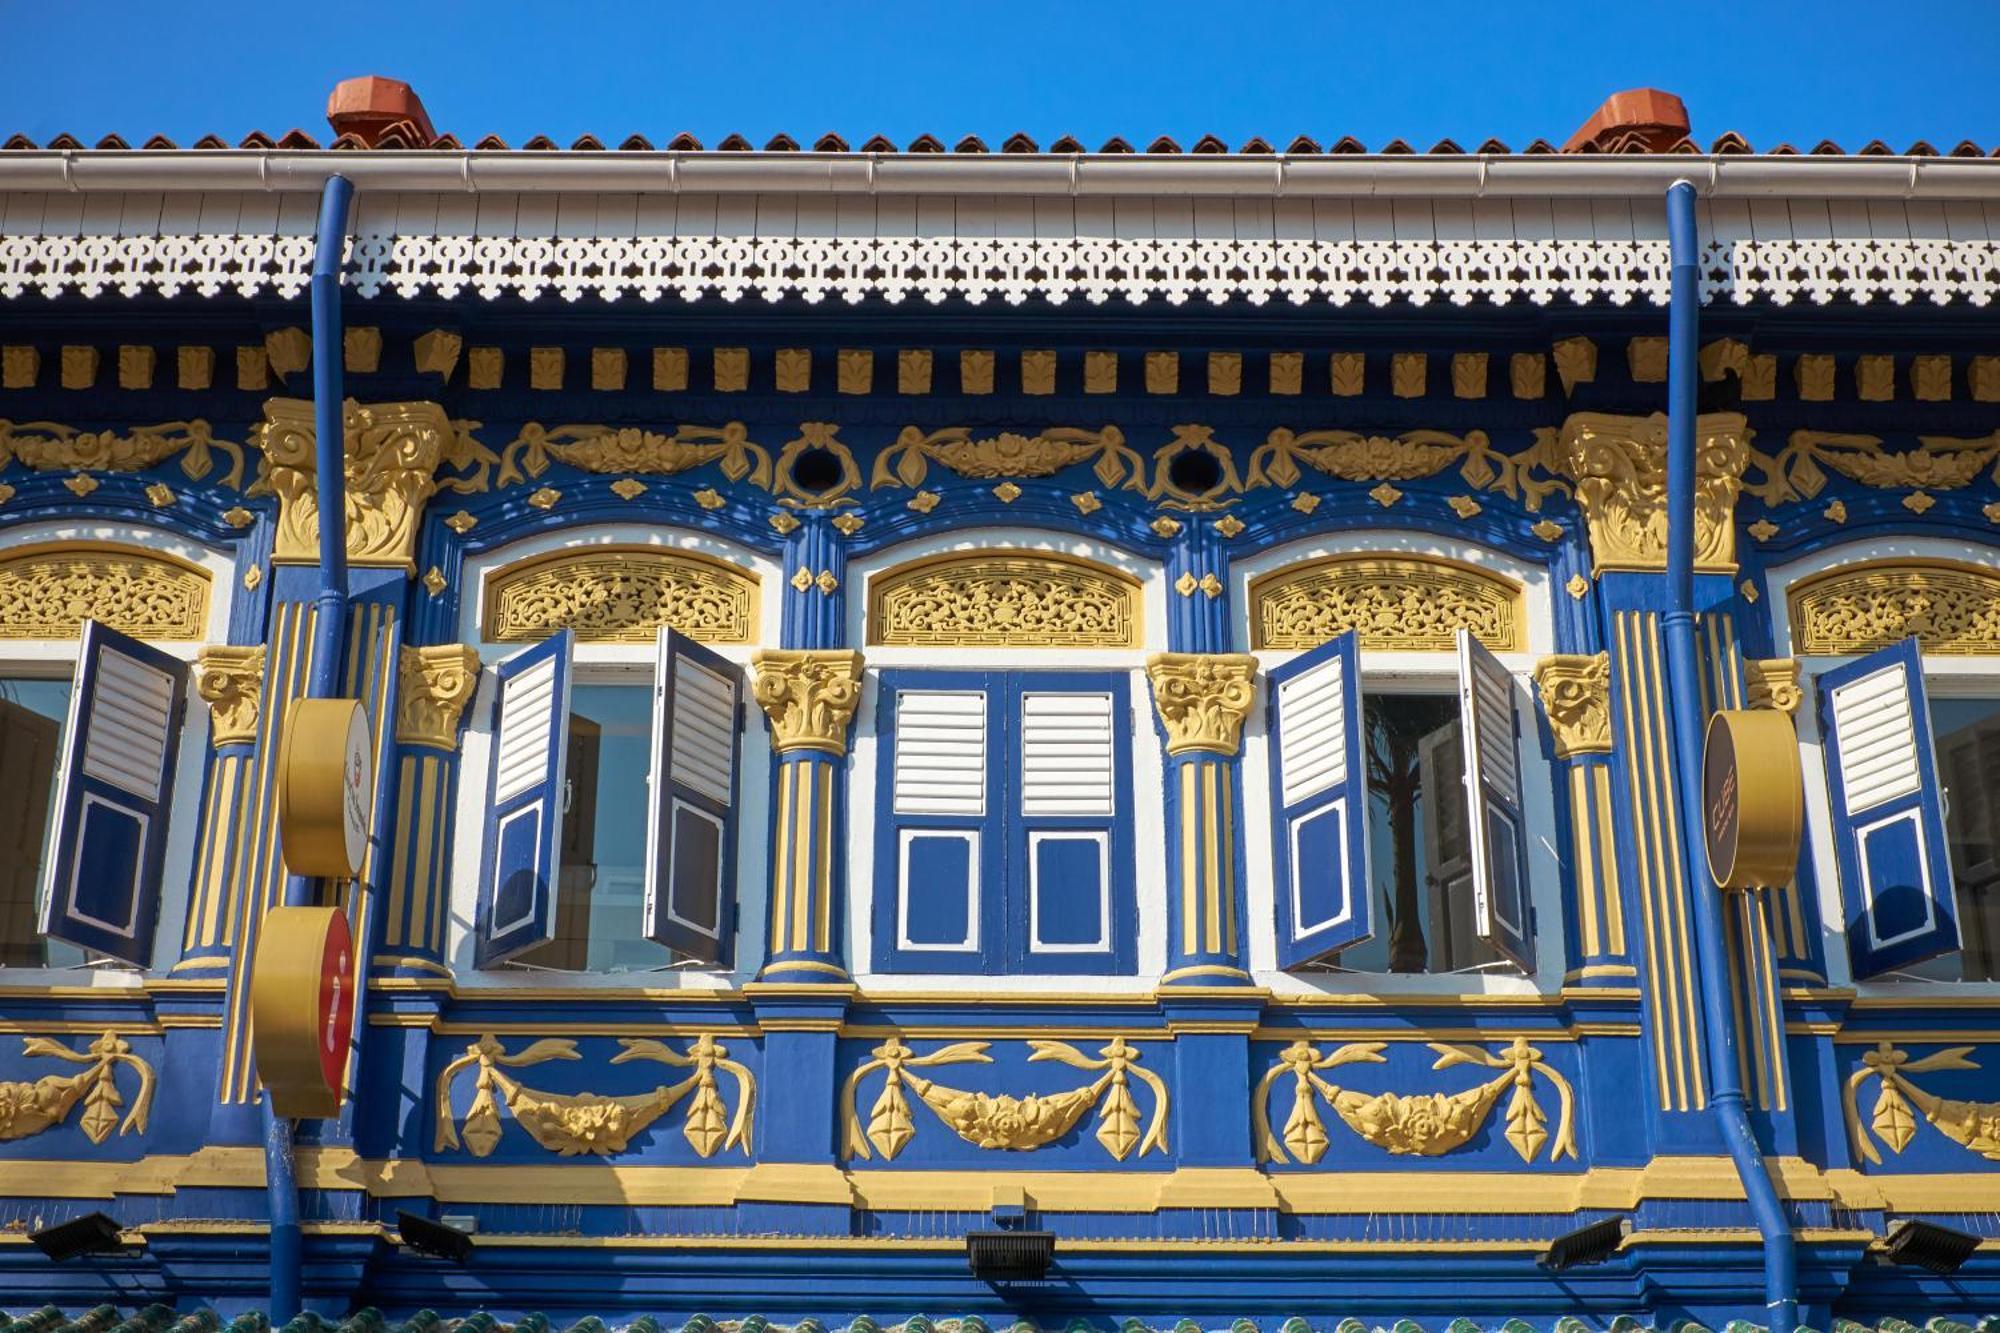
1592 1244
435 1239
1010 1256
93 1233
1928 1246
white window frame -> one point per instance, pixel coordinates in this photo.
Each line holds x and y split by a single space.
55 659
629 664
1403 672
1944 678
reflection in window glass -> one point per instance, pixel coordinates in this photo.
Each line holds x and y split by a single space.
31 723
1967 735
601 887
1420 850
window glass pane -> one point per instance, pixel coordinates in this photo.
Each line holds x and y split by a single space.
1420 851
1967 735
601 885
31 722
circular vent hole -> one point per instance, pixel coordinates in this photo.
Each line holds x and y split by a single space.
816 471
1196 472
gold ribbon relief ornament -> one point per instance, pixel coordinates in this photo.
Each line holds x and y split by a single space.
1752 798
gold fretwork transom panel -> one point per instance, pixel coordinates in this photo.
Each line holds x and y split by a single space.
1407 603
47 592
1953 610
621 594
1004 599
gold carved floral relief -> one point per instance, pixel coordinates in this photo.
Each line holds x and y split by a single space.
1414 603
30 1108
48 447
1005 1121
1007 454
1619 467
621 594
1952 610
610 449
574 1123
1939 463
1004 599
392 453
1422 1124
47 592
1900 1103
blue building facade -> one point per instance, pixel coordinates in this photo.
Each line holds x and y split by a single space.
1111 694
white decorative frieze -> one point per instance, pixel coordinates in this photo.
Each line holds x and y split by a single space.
901 268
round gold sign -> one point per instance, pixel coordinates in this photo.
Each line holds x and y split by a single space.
326 784
1752 798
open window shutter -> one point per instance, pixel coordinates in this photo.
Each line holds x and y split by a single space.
524 808
691 834
1067 797
936 869
1888 816
1500 902
1319 796
113 795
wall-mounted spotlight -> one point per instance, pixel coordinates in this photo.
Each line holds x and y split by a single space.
1928 1246
1586 1245
433 1238
93 1233
1010 1256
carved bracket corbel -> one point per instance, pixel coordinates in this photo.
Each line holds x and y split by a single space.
1575 690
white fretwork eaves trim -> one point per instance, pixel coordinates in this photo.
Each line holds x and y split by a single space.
896 269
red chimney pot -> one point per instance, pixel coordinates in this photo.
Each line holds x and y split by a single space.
1659 120
368 107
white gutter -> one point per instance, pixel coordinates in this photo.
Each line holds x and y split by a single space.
1497 176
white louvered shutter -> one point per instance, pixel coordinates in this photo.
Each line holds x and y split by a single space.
1319 800
1502 908
520 857
692 830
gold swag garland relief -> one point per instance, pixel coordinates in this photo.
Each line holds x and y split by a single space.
30 1108
1002 1120
46 446
572 1123
1974 1125
1425 1124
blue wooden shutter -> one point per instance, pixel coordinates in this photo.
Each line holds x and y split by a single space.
1888 817
525 799
1071 894
1319 800
937 880
691 833
113 796
1501 906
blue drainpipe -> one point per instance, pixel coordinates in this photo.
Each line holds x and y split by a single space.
329 628
1726 1096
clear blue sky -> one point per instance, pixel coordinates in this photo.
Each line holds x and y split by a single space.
1895 69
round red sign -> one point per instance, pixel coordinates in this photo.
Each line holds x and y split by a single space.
336 1000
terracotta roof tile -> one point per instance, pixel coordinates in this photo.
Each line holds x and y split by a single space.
926 143
1784 150
1828 148
112 141
684 143
160 141
634 143
1493 146
881 143
1208 146
587 143
781 143
1396 146
207 141
1729 144
1304 144
1876 148
18 143
1446 146
1019 143
1347 143
298 139
1163 145
1539 146
735 143
1967 148
256 139
541 143
67 142
1067 144
1254 145
971 143
829 143
447 143
492 143
1115 144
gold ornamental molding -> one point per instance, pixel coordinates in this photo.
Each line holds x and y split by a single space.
46 446
809 694
1576 697
1008 454
1202 699
393 451
434 684
1939 463
1004 1121
1973 1125
1773 682
629 450
1951 609
1422 1124
1004 599
621 594
47 591
574 1123
30 1108
1619 467
230 680
1414 603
